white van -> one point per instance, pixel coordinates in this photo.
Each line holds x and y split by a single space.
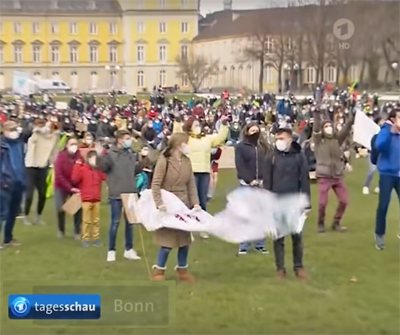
50 85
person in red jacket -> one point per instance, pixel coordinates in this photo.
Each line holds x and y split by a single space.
64 186
88 177
152 114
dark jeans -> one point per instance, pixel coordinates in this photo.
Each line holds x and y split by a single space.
10 203
60 198
386 185
279 251
202 180
116 211
36 179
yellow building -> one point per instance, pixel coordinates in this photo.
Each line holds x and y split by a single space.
97 44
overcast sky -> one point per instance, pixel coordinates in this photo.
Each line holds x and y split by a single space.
209 6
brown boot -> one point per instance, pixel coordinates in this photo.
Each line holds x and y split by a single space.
301 274
184 275
281 274
158 274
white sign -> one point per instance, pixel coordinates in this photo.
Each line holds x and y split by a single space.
364 129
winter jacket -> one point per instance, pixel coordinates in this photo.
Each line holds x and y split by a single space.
88 180
388 145
42 148
282 109
200 147
287 172
63 168
248 162
121 167
12 167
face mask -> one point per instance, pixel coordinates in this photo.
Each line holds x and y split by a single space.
196 130
13 135
19 130
312 146
127 144
144 153
66 121
339 128
89 141
213 151
93 122
150 125
328 130
92 161
255 136
185 149
105 120
281 145
72 149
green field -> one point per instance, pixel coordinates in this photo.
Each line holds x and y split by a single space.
233 295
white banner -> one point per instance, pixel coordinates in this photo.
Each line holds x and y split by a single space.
364 129
251 214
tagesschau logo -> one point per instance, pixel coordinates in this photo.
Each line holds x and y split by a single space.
54 306
20 307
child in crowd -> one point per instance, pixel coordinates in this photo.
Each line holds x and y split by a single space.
88 178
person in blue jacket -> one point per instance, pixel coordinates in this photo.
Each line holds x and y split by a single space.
284 108
12 179
388 145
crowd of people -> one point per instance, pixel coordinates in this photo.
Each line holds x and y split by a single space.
175 145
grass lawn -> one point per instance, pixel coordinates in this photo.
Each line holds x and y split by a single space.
233 295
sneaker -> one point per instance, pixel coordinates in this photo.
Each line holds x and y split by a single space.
376 190
242 252
1 246
39 220
321 228
60 234
380 242
204 236
77 237
365 190
262 250
26 221
96 243
111 256
131 254
85 244
338 228
12 243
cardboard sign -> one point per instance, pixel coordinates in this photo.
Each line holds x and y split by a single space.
129 203
73 204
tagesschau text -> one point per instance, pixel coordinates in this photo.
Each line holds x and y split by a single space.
54 306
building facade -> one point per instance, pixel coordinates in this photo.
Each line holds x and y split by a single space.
98 44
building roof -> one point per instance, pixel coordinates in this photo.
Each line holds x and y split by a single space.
15 7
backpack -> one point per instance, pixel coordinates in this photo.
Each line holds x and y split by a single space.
374 155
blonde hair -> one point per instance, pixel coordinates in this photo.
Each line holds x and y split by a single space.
174 142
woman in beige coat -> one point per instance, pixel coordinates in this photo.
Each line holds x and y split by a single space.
174 174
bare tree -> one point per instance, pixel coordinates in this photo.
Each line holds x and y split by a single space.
275 55
197 69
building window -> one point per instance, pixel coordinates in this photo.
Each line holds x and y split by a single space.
54 28
37 76
2 84
140 54
184 51
93 80
55 54
35 28
17 28
268 75
73 54
140 27
269 43
162 52
184 27
185 3
113 54
93 54
331 73
185 80
163 3
73 28
163 27
1 54
240 75
74 80
37 52
140 79
93 28
18 53
140 4
163 78
113 28
310 75
56 76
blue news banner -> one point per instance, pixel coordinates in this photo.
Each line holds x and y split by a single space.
54 306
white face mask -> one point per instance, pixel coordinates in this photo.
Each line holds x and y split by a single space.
72 149
196 130
105 120
19 130
281 145
328 130
13 135
185 149
89 141
92 161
